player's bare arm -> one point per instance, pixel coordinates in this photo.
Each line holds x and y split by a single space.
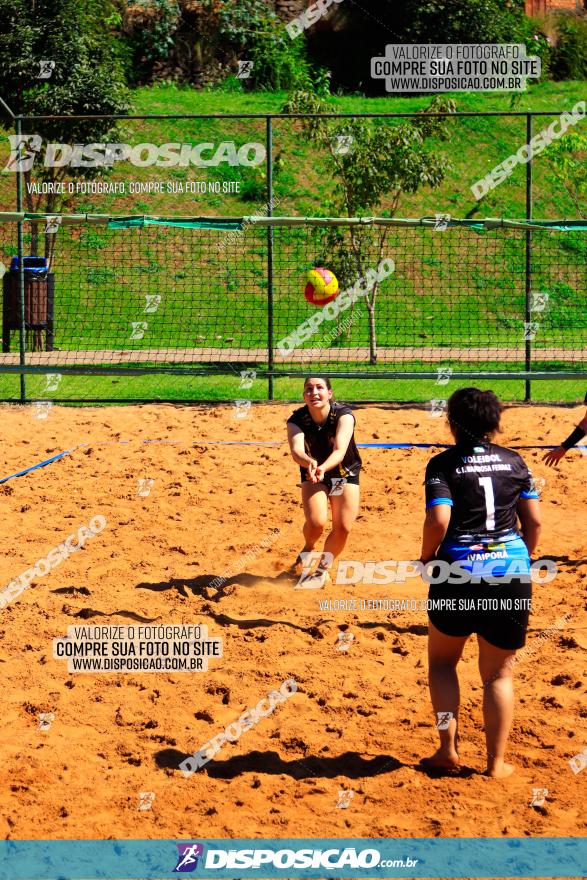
435 528
295 438
528 510
553 456
344 433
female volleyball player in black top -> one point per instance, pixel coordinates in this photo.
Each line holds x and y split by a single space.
321 439
553 456
475 493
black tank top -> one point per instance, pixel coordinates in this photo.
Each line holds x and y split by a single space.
319 439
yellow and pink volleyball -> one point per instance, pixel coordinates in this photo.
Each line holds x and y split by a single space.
321 286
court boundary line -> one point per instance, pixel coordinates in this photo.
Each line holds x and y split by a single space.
196 443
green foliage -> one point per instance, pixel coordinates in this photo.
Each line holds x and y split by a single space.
93 239
87 78
151 32
100 275
567 160
473 21
431 21
253 188
569 55
256 34
531 33
232 84
72 33
237 23
464 21
562 308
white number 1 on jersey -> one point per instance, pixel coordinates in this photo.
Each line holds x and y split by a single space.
487 485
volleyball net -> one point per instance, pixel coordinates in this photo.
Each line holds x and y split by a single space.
104 296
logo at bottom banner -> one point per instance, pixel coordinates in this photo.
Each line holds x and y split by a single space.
187 860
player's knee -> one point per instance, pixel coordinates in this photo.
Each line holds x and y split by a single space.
316 525
442 664
502 674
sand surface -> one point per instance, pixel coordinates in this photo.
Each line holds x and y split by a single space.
361 718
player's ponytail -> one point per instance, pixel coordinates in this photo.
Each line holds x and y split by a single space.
474 415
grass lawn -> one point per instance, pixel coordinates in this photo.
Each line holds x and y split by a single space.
228 388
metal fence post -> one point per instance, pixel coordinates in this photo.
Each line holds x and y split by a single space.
20 250
528 273
269 130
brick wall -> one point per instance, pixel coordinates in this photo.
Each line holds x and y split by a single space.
540 7
571 5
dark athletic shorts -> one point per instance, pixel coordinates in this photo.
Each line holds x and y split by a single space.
475 611
331 482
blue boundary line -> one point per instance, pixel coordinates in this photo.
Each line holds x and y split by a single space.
60 455
34 467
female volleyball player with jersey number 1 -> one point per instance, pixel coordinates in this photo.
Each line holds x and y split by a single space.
475 493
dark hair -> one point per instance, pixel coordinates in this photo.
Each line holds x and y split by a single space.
324 379
473 414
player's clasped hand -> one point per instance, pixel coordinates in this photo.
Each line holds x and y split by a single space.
553 456
312 470
318 476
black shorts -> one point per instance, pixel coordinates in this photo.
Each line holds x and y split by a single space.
497 612
332 482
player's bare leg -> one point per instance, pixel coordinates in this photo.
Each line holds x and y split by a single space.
315 504
345 508
444 653
496 668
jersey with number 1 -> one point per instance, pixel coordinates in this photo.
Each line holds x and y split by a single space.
482 484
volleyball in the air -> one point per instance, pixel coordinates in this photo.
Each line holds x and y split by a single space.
321 286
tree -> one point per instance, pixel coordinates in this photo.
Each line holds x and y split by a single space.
151 27
382 160
459 21
253 31
87 78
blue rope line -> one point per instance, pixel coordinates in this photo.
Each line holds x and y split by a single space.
60 455
34 467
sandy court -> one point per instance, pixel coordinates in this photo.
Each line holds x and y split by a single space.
360 720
